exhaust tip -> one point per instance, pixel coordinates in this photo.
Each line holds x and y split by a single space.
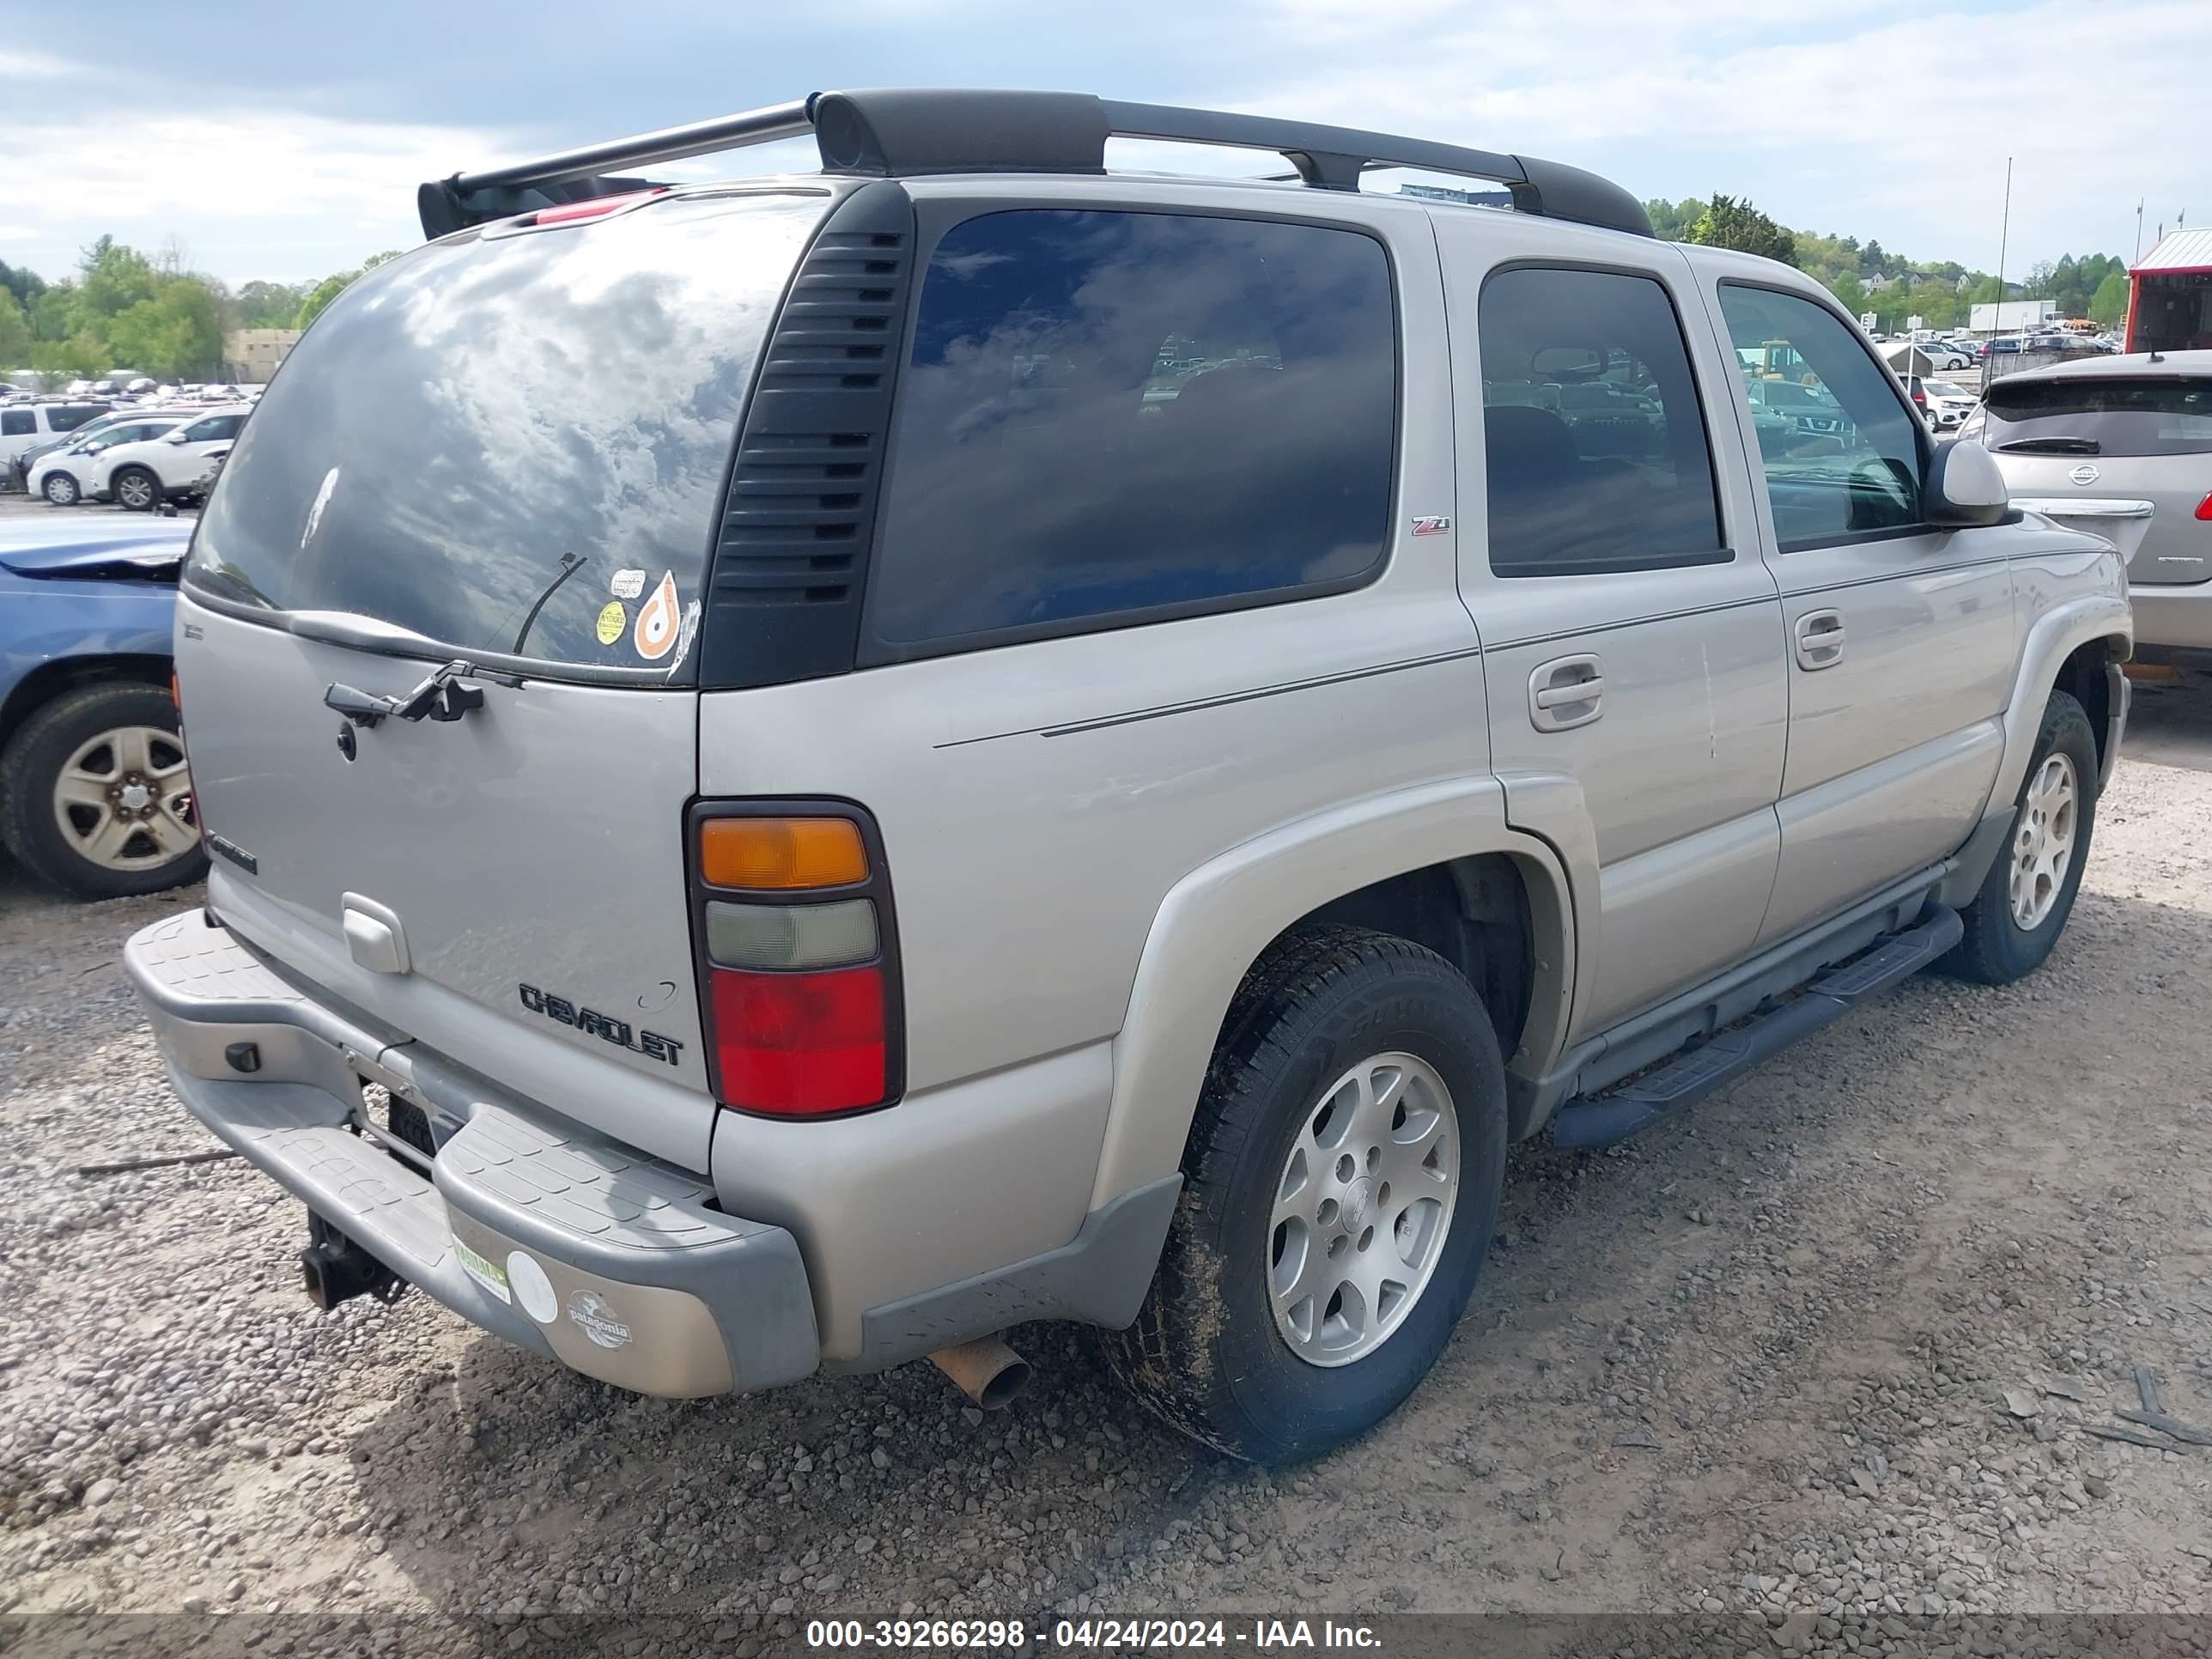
991 1374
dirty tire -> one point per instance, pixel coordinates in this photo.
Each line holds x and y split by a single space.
35 757
1205 1353
1996 949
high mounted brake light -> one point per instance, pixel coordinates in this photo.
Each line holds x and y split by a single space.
593 209
796 958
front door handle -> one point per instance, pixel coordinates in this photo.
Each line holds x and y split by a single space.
1819 639
1566 692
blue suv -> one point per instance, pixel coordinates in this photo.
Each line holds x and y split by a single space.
94 794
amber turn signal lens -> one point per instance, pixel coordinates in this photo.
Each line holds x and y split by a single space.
779 855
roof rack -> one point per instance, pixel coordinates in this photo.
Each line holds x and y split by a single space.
899 132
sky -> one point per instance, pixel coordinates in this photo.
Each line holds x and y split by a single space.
285 142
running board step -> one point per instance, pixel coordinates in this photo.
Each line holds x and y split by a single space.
1695 1073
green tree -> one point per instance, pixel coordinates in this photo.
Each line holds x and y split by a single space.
1727 222
329 288
320 295
266 305
174 336
1848 292
2109 305
24 285
1671 221
14 331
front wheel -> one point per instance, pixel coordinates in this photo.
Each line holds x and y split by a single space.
1342 1180
60 489
2016 918
137 488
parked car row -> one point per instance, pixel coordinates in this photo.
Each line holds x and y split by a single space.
137 459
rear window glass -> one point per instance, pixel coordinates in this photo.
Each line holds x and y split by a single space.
18 423
484 425
2086 415
1112 414
67 417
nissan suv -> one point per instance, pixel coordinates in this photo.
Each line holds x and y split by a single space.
802 770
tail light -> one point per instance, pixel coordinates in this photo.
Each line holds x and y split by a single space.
2204 508
798 959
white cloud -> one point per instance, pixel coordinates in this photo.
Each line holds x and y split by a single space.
1861 130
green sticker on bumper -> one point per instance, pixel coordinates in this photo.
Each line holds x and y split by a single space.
489 1274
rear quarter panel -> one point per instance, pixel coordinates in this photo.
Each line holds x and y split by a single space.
45 622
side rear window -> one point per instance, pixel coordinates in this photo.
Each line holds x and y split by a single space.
1114 416
1841 449
1596 447
17 423
67 417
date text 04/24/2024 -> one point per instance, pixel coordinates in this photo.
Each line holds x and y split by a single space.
1091 1635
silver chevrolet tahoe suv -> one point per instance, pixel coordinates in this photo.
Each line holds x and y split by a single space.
802 770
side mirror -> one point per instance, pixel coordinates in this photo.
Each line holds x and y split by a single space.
1965 488
176 437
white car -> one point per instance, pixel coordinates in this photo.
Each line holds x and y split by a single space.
142 476
1943 357
1945 405
63 475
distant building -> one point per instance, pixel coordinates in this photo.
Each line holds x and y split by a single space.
249 355
1876 283
2170 294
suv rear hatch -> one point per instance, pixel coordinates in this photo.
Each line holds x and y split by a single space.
507 448
2131 436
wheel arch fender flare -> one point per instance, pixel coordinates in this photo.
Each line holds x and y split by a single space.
2050 640
1214 924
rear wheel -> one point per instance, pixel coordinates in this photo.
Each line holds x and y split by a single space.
1341 1183
61 489
137 488
2016 918
96 796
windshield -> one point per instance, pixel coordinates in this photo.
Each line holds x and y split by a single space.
511 432
2122 416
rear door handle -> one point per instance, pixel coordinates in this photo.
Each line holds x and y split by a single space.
1566 692
1819 639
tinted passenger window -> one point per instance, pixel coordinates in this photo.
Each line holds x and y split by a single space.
1595 444
1108 414
67 417
1842 450
17 423
215 428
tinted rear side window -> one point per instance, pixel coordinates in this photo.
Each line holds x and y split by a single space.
1595 444
67 417
2124 415
1111 416
17 423
465 423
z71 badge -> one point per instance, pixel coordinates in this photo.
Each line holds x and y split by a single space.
651 1044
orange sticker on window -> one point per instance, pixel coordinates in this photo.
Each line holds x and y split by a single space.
654 636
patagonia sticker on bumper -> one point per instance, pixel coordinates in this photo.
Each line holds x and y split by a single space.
485 1272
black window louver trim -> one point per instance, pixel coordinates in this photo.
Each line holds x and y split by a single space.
783 593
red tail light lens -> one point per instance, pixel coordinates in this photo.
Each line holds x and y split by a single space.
2204 510
800 1045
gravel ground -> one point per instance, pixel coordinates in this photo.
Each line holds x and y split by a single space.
1821 1357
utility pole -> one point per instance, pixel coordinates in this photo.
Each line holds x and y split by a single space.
2139 208
2005 235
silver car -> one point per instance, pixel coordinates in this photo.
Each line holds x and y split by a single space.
2120 433
802 771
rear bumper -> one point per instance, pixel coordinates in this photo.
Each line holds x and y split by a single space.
2177 616
558 1240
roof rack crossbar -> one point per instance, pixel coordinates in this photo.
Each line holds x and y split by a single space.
895 133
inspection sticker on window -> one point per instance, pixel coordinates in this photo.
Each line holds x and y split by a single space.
486 1273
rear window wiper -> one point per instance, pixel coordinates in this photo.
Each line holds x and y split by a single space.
2061 446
